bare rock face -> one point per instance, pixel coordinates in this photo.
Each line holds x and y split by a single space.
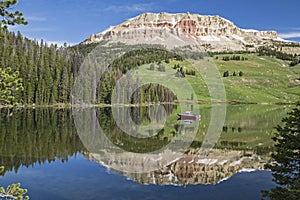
175 30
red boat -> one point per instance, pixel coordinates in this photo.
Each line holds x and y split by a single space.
188 116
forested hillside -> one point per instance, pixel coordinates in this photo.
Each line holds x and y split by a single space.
47 72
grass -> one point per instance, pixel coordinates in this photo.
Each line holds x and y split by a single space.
264 80
179 86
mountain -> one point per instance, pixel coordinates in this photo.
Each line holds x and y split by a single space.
213 33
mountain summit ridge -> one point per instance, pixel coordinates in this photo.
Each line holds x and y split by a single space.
174 30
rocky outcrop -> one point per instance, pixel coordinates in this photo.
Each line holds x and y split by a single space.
174 30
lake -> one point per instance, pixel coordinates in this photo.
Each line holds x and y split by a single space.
57 155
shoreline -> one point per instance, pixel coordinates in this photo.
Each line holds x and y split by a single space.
67 105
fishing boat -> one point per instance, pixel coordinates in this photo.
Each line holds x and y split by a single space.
188 115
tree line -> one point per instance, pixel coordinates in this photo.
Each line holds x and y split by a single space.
227 74
234 57
123 65
266 51
47 72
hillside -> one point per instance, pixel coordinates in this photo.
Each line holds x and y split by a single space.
47 72
263 79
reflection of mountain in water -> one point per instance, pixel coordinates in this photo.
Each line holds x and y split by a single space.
190 169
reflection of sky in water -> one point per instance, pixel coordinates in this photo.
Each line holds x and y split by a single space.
81 179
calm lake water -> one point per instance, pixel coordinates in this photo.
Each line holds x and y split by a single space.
42 149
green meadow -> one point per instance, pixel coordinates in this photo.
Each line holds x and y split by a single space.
264 80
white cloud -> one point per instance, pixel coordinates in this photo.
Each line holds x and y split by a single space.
60 43
289 35
134 7
29 29
39 29
35 18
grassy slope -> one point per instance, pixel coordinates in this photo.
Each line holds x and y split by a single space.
168 79
265 80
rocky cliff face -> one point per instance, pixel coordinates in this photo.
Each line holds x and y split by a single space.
174 30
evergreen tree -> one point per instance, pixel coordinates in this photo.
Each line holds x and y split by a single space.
226 74
152 66
226 58
48 73
287 159
161 68
10 86
13 191
10 17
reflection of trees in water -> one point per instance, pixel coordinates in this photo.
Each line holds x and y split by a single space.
232 144
32 136
156 137
142 115
139 114
185 127
236 145
233 129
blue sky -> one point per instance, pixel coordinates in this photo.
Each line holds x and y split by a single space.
73 20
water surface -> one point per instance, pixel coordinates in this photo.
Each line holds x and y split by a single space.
41 149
